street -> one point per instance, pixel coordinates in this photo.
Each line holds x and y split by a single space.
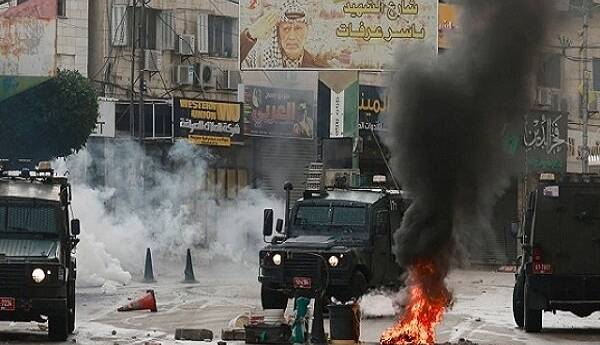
481 312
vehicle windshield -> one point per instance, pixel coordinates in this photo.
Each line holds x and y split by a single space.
334 218
29 219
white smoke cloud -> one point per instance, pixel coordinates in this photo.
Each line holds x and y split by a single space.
160 206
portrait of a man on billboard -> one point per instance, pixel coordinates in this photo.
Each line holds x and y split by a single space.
278 39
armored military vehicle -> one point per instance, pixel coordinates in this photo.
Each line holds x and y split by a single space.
336 242
37 243
560 265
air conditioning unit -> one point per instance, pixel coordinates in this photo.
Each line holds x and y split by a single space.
153 60
206 77
544 96
184 75
186 45
230 80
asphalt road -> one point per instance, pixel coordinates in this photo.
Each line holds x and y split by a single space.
481 312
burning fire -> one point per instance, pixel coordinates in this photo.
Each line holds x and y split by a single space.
429 298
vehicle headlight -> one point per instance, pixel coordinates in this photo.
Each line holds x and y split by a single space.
333 261
38 275
277 259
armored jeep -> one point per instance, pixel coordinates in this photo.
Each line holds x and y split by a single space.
37 242
336 242
560 265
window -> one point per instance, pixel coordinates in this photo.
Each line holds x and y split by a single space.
596 70
165 31
349 215
222 33
28 219
312 215
382 221
337 215
62 8
119 25
202 33
550 71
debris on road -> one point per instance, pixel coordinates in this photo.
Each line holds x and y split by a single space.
146 302
232 334
507 269
193 334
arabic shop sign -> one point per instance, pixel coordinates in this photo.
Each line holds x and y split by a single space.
278 112
211 123
545 140
314 34
372 106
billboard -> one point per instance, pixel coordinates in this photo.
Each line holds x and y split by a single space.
333 34
545 137
372 108
278 112
211 123
27 45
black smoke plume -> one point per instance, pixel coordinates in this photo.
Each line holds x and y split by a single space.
448 121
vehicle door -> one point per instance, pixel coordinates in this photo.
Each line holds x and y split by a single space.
578 237
381 246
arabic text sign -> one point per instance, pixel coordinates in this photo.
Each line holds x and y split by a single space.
278 112
208 122
312 34
373 104
27 45
545 140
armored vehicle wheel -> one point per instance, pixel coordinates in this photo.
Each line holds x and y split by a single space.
71 306
532 318
272 299
58 325
518 296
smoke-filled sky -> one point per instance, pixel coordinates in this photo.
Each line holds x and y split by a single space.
448 122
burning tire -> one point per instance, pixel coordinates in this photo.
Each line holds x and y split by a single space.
518 300
272 299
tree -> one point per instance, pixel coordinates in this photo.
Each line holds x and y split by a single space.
53 119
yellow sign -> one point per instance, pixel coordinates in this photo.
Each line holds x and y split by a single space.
207 110
447 24
209 140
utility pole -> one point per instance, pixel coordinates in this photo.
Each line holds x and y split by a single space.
133 61
585 154
142 62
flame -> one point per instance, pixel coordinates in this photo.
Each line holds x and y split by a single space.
428 300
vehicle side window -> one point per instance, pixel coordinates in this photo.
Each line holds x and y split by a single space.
382 222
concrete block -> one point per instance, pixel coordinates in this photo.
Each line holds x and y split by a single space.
231 334
193 334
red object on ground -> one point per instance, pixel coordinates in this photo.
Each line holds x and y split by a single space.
148 301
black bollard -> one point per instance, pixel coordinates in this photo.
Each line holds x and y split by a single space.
148 271
317 334
189 269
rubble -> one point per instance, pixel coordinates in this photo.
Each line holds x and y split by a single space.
193 334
